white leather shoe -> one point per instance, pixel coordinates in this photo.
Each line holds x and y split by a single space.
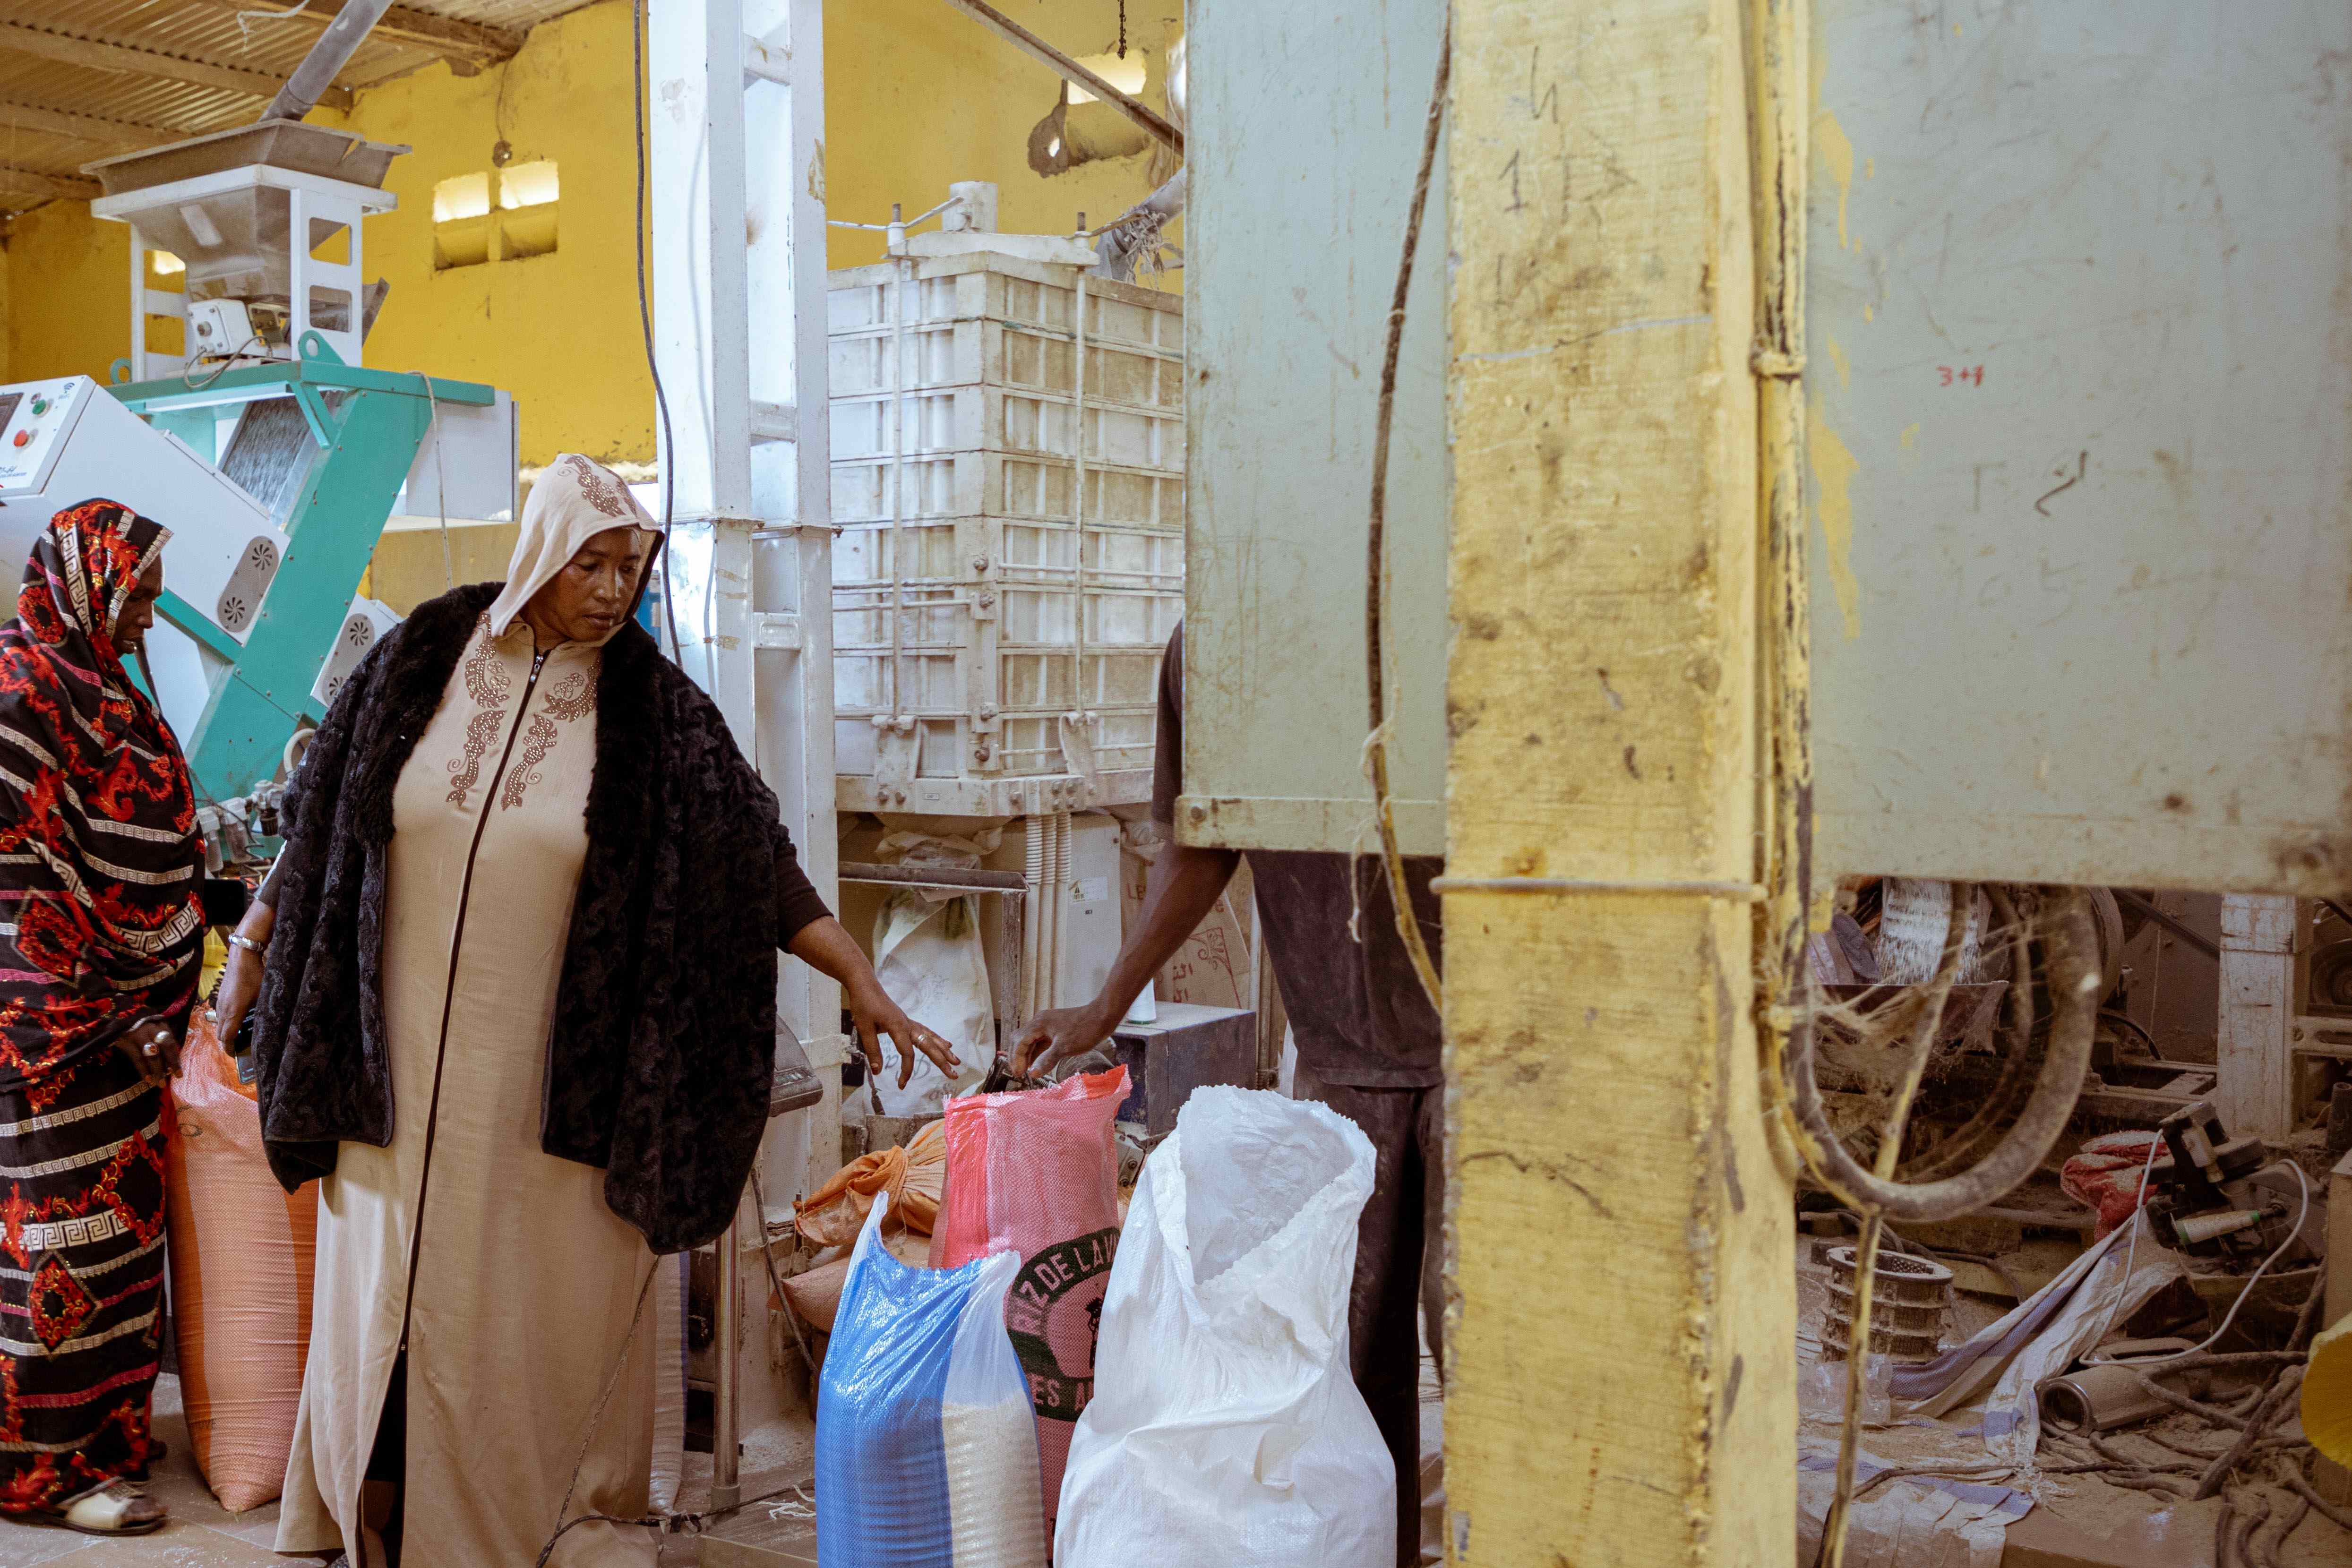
110 1507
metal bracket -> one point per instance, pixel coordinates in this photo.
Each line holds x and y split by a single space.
763 61
775 422
1078 750
776 629
897 754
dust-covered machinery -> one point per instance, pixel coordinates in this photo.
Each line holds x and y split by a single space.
2219 1199
273 456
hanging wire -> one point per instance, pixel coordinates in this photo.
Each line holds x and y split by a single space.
1376 587
246 19
646 319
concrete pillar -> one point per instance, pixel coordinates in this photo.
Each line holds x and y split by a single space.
1622 1384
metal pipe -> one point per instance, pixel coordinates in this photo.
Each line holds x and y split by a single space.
934 876
2188 933
726 1401
1070 70
333 50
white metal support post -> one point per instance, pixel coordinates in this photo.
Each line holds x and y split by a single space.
2254 1073
148 305
735 109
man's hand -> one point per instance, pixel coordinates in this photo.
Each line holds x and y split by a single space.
875 1014
1057 1034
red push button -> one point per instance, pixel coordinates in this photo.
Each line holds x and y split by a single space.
23 436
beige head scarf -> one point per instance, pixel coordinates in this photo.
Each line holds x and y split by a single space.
573 501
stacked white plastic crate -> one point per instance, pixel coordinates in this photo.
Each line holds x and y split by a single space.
1010 559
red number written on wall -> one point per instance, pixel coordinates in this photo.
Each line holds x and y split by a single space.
1961 375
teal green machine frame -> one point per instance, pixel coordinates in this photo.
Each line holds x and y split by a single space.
366 445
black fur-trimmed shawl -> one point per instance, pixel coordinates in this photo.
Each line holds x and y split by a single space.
659 1060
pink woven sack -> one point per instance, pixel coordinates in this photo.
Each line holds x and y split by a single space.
1037 1173
240 1260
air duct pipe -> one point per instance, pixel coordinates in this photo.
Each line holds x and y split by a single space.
333 50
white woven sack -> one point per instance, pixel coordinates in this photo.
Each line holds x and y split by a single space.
1225 1430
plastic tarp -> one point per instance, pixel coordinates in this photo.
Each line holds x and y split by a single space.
926 1452
929 956
1910 1521
1225 1430
2005 1364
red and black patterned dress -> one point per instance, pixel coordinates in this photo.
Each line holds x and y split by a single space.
101 924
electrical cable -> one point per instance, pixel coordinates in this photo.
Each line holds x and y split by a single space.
2138 1224
791 1318
2302 1215
596 1417
645 318
440 479
1376 587
227 363
886 228
2148 1038
664 1523
1938 992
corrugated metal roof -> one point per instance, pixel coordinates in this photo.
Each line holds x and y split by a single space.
519 15
83 80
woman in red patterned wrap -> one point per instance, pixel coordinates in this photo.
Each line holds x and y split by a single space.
102 936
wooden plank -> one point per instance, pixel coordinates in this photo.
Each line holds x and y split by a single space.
477 43
1623 1381
82 127
2253 1091
16 38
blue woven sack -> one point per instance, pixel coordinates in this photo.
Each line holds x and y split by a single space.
926 1447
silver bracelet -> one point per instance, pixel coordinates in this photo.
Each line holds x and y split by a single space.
239 939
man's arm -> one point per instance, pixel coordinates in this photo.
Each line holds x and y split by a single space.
1185 885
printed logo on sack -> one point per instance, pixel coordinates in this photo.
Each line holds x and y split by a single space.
1051 1316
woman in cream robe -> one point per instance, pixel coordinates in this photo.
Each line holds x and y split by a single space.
521 1298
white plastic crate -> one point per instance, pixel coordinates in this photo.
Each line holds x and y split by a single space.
1002 484
957 551
982 496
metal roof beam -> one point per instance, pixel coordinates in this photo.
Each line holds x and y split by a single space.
18 184
81 127
16 38
474 43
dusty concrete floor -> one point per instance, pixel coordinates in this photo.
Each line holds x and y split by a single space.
202 1533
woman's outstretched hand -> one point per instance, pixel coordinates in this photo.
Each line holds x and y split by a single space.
875 1014
825 946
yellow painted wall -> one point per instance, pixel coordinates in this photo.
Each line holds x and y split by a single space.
917 96
68 293
559 332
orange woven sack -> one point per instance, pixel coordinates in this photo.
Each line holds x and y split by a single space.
240 1260
916 1204
834 1214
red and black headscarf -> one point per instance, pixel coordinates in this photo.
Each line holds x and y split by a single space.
100 867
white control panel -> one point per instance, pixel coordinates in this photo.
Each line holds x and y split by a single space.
68 441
